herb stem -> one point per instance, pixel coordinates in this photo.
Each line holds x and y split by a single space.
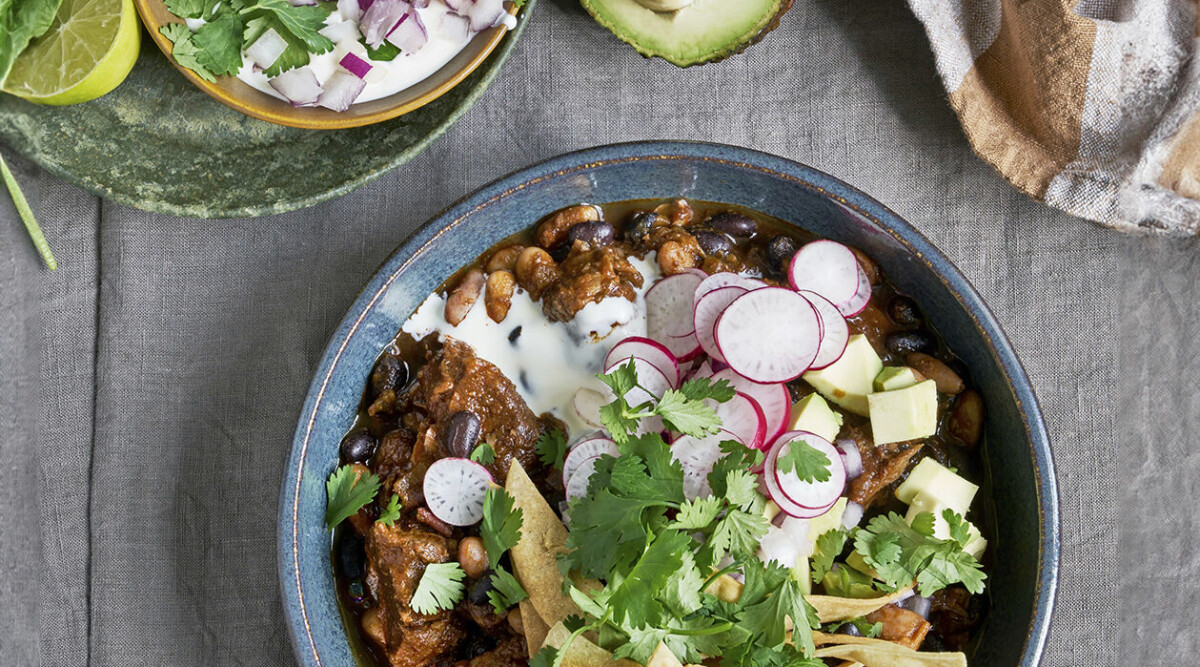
23 210
716 575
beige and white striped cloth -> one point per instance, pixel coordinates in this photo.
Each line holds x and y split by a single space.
1092 106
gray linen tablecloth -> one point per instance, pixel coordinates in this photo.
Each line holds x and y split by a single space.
149 388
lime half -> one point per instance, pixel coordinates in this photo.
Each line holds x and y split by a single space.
88 51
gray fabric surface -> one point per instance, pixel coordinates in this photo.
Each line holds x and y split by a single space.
149 388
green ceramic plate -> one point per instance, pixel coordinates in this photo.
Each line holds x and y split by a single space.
160 144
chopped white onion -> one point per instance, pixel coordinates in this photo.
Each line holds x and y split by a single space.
410 34
852 516
460 7
778 546
920 605
342 31
350 10
381 19
299 86
454 28
341 90
266 49
851 457
486 14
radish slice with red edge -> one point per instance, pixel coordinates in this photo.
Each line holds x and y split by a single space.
724 279
708 309
697 456
587 403
742 416
769 335
454 490
652 351
587 449
834 332
862 295
827 268
685 348
814 494
774 399
577 485
786 506
669 307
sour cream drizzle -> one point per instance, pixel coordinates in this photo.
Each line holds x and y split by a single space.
547 361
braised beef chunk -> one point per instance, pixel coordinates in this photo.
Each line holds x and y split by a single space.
509 653
901 626
589 276
955 612
396 560
882 465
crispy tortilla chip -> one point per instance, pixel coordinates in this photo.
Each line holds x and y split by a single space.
535 628
581 652
879 653
543 537
830 608
663 657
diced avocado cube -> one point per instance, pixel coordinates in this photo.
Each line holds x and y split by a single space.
856 561
938 485
850 379
896 377
904 414
831 520
976 544
814 415
802 572
844 582
770 510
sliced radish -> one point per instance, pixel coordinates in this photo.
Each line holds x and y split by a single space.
586 449
696 456
644 348
827 268
685 348
587 403
648 376
669 306
834 332
577 485
862 295
708 310
724 279
769 335
774 399
785 504
742 416
810 495
702 370
454 490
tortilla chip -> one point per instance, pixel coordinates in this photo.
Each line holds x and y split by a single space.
581 652
543 537
830 608
663 657
879 653
535 628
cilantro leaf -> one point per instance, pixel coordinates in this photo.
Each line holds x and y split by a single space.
765 620
616 420
552 448
506 591
738 533
960 531
736 457
347 493
483 454
923 523
391 512
186 9
681 593
621 379
548 656
441 587
809 463
219 45
687 415
185 51
741 489
828 547
698 389
501 526
633 600
697 514
866 628
303 22
901 554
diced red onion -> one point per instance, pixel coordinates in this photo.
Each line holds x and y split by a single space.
851 457
299 86
460 7
852 515
341 90
364 5
455 28
486 14
355 65
919 605
342 31
266 49
381 19
420 4
410 34
351 10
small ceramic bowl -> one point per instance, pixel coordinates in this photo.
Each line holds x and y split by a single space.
236 94
1019 484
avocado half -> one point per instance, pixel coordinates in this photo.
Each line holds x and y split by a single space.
700 32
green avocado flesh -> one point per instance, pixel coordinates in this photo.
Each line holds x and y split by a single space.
701 32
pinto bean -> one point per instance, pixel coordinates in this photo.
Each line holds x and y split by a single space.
372 625
966 422
674 257
553 232
947 380
463 298
498 297
535 270
868 266
515 622
504 259
472 556
678 212
429 519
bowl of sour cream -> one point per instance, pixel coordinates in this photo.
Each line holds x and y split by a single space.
329 64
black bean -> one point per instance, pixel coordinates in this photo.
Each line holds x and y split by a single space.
390 373
479 590
712 243
595 234
560 252
639 225
462 433
780 251
904 311
734 224
909 342
351 555
358 446
356 592
476 644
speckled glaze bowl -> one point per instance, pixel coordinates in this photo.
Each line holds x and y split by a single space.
1020 486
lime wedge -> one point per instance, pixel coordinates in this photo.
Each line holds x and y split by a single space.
88 51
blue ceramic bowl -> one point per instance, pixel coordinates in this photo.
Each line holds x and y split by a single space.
1025 547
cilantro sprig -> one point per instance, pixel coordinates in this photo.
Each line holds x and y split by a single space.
391 512
809 463
347 493
483 454
683 410
441 587
501 526
551 448
506 591
901 553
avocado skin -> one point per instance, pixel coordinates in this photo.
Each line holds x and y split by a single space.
733 50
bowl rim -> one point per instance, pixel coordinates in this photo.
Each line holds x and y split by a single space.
264 107
825 185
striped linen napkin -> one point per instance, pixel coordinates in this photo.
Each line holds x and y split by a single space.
1092 106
